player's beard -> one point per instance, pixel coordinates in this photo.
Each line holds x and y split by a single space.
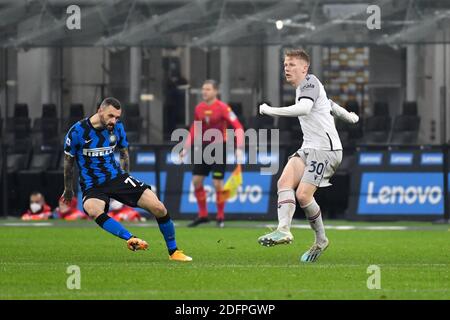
107 126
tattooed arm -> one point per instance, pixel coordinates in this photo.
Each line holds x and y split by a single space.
68 178
124 159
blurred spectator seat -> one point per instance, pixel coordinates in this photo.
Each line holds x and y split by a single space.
380 108
376 129
19 126
410 108
350 133
76 113
49 134
20 110
48 113
46 128
405 129
132 122
378 126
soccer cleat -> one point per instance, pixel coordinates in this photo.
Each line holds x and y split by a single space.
178 255
135 244
275 237
314 252
220 223
197 221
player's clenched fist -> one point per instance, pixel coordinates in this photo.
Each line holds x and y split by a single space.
353 117
263 107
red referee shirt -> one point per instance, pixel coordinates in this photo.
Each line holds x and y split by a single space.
219 116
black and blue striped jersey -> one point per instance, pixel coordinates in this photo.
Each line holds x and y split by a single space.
93 150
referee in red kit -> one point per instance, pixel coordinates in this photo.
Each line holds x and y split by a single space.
213 114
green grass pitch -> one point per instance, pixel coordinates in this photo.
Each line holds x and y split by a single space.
228 263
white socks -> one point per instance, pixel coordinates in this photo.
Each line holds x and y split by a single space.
286 209
312 212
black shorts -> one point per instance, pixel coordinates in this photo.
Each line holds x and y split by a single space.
124 188
217 169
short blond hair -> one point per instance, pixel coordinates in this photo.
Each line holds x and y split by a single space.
299 54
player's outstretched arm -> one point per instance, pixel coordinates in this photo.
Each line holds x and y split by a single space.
124 159
340 113
301 108
68 178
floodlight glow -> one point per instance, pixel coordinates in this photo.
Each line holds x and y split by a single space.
279 24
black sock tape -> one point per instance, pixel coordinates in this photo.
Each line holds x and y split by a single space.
163 219
101 219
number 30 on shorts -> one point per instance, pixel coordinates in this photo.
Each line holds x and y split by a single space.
133 181
316 167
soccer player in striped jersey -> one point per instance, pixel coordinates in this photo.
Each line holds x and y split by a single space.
313 165
91 143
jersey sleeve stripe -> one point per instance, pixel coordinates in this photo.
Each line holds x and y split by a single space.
305 97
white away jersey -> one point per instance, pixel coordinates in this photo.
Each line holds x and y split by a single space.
319 131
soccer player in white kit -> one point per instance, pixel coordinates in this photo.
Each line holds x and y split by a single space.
313 165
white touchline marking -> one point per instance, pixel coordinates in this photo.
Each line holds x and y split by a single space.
344 227
386 228
26 224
